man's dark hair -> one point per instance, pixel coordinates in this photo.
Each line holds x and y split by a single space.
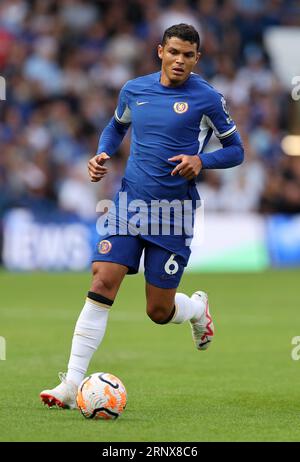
184 32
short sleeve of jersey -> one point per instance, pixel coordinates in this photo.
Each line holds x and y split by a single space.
218 117
122 112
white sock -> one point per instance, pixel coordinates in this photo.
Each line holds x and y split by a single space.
89 332
186 309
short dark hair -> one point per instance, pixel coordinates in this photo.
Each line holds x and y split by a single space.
184 32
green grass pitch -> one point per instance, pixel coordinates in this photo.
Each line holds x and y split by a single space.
244 388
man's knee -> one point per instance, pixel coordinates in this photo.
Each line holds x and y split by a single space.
102 284
158 314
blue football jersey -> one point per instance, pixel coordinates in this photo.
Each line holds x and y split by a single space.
168 121
165 122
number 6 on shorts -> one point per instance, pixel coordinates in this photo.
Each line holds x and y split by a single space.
171 266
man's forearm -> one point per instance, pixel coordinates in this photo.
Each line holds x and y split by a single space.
231 155
111 137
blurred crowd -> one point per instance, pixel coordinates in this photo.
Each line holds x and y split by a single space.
64 62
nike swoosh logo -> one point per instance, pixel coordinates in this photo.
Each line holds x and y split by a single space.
204 343
139 103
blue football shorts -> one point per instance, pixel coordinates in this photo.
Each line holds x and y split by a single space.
163 268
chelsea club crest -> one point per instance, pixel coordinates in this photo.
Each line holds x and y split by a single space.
104 247
180 107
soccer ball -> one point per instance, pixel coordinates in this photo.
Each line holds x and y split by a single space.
101 396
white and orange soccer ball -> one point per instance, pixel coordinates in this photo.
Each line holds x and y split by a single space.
101 396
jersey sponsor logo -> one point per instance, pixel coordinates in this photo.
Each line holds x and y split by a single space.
104 247
140 103
180 107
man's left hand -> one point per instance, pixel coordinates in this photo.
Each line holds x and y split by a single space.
189 166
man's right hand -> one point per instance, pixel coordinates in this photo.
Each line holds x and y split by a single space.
96 167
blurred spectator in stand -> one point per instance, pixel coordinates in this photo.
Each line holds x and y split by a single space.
178 11
282 189
42 68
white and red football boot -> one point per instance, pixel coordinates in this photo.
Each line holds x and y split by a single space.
64 395
202 328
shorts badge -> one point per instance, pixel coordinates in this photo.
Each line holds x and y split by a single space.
104 247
